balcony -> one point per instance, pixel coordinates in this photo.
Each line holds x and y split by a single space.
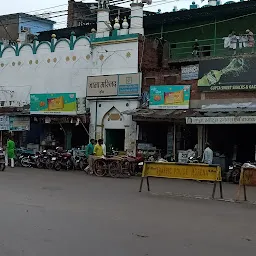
208 48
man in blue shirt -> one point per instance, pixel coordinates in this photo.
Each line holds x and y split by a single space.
90 148
208 154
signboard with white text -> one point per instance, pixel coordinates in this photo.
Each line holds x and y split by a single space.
114 85
222 120
189 72
4 123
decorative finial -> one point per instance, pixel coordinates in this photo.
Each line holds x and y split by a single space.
125 24
53 36
93 30
116 25
73 33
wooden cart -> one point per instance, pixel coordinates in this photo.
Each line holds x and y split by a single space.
116 166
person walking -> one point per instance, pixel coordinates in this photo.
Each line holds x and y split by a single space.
10 150
208 154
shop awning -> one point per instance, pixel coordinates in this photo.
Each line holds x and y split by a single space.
159 114
195 116
226 116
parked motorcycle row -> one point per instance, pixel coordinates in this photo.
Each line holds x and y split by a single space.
56 160
66 160
60 159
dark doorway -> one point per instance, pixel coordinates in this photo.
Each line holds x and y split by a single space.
224 139
115 139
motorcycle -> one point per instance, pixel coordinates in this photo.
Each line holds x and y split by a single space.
50 162
2 160
136 165
234 172
193 159
63 160
29 161
20 154
42 159
79 162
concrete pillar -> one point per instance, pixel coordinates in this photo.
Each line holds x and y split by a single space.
68 138
103 28
200 140
136 26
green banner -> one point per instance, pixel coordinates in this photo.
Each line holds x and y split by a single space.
53 104
169 96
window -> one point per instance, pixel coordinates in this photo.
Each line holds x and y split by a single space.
24 29
150 81
170 80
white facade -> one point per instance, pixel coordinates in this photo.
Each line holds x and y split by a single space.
51 67
101 110
63 66
61 70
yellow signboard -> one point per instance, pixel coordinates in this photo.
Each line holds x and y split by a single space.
248 177
182 171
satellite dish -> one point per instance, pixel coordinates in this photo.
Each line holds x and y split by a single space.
149 2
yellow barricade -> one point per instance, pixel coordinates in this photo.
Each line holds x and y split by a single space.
247 178
202 172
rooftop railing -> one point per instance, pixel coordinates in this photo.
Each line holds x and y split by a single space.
208 48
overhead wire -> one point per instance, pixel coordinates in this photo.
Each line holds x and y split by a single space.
161 2
202 25
89 15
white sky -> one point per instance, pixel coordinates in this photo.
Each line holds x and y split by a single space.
30 6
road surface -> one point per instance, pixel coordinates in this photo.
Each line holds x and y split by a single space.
63 214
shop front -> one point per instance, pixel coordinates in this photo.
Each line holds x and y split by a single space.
230 133
109 98
55 122
162 127
16 126
164 132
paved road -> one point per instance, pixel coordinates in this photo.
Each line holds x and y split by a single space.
62 214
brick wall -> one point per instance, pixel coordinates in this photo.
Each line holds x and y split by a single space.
171 74
70 13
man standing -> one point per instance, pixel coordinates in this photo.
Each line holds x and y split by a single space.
10 150
90 148
104 149
208 154
89 153
98 149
